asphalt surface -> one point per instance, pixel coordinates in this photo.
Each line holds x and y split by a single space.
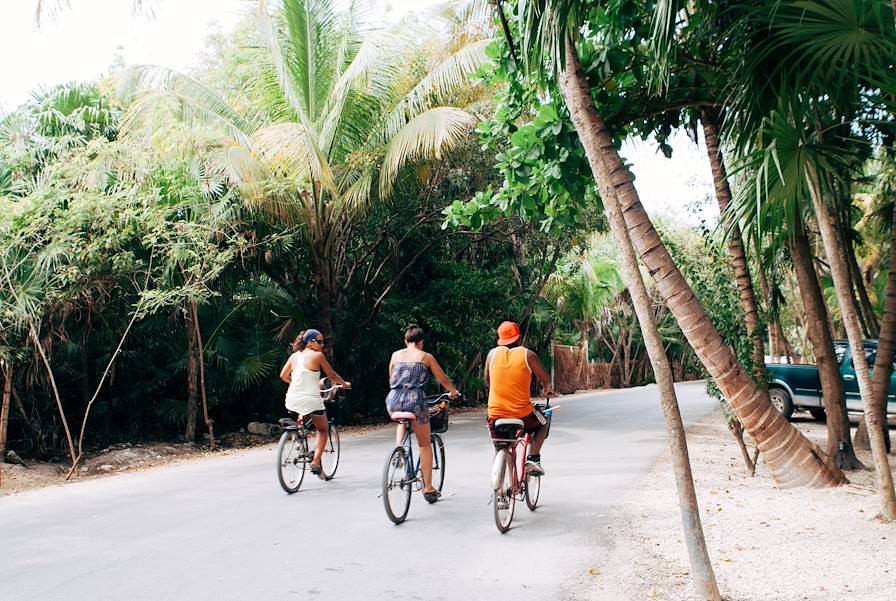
222 529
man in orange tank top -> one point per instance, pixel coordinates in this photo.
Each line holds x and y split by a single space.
508 375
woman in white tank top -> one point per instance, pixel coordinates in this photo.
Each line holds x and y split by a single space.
302 373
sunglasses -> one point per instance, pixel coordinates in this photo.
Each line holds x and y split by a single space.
319 341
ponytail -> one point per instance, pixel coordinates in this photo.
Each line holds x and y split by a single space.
299 343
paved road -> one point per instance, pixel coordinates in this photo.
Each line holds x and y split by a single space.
221 529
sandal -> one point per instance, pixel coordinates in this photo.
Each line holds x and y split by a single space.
316 470
433 496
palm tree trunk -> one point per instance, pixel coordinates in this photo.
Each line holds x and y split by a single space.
839 444
869 319
324 285
835 250
735 247
792 459
886 347
701 567
865 310
774 341
190 431
6 366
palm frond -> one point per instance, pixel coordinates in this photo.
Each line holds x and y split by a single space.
148 84
444 79
426 136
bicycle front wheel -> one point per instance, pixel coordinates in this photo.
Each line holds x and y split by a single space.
533 490
329 461
504 500
396 485
292 455
438 461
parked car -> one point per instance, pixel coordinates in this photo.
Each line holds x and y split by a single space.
797 387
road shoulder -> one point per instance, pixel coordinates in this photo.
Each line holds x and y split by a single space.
765 544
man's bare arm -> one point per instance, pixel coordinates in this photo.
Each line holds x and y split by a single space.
541 373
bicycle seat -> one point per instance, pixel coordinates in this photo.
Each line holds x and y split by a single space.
509 422
397 416
287 422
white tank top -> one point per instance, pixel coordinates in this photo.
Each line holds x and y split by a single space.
304 383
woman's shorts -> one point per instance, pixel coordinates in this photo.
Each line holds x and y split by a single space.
411 400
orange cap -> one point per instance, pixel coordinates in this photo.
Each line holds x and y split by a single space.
508 333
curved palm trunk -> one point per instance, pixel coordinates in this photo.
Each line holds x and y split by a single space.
886 347
735 247
792 459
583 112
839 444
836 255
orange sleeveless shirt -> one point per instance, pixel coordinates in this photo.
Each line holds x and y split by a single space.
510 380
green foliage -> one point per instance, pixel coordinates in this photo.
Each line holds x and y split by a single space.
547 179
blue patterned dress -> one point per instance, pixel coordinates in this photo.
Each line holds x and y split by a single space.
407 389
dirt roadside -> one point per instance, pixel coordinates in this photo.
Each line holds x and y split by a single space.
765 544
128 457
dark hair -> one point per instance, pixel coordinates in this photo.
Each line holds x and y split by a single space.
299 343
414 333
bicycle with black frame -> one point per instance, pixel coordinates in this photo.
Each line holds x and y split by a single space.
401 472
295 452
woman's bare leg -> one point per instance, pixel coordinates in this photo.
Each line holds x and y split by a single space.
323 434
422 431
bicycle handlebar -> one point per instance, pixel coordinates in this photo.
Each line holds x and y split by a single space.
445 395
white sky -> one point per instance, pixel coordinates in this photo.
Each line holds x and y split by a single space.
80 42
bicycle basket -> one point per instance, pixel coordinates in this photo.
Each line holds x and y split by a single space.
334 409
438 422
547 418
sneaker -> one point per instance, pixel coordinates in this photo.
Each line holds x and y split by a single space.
533 468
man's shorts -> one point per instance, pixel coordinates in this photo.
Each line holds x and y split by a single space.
531 423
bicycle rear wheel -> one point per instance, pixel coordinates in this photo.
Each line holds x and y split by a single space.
533 490
329 461
292 456
438 461
396 486
503 501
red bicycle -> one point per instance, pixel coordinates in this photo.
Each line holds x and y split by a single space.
511 448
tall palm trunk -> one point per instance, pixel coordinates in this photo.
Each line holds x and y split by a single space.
583 114
886 346
835 249
324 287
775 334
839 444
735 246
6 367
792 459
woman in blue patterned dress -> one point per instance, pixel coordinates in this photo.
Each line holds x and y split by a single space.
409 371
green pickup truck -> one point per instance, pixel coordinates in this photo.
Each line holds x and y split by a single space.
796 387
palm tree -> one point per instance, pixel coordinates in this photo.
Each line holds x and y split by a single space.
548 28
345 108
580 292
802 66
736 248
